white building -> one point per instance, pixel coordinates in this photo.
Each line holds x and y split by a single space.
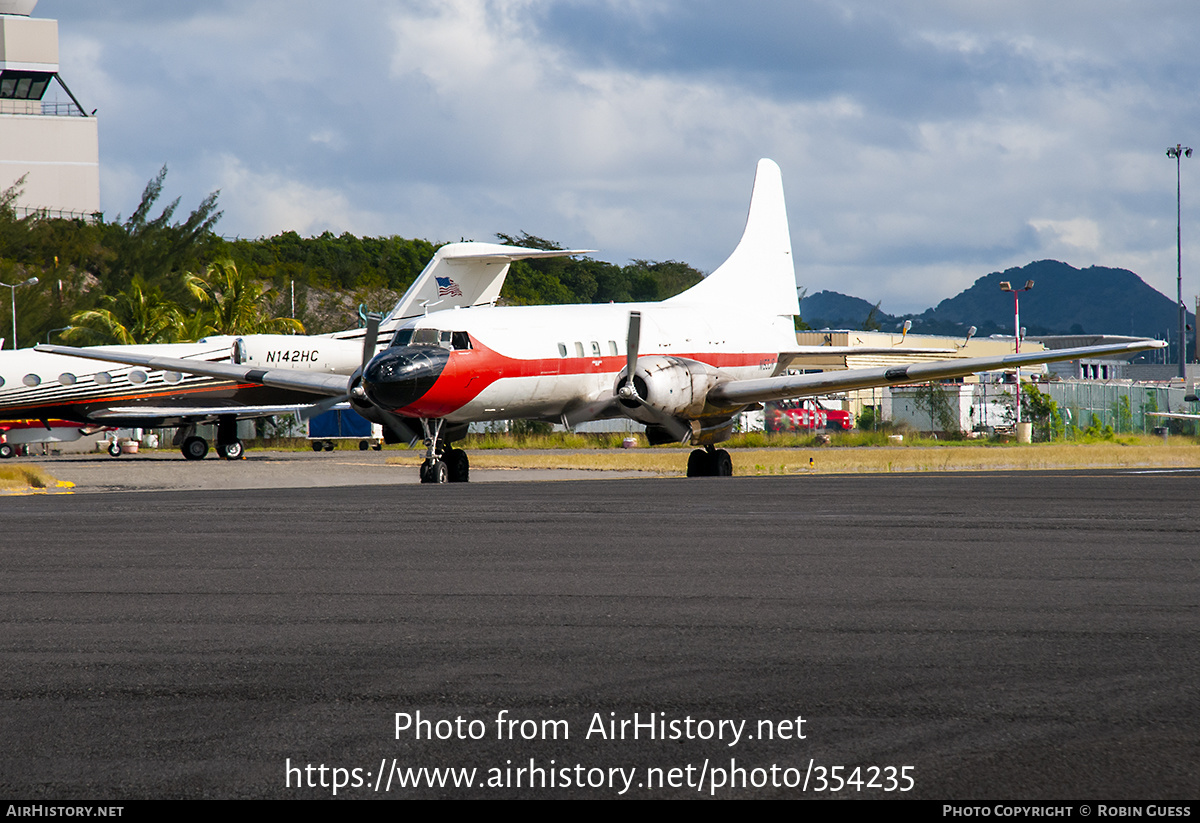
45 134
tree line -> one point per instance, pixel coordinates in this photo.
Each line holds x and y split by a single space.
157 278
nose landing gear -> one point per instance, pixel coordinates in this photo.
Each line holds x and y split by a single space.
442 464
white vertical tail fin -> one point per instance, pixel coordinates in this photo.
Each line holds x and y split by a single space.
759 275
463 275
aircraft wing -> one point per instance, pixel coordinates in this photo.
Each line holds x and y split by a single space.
325 385
742 392
193 413
791 355
1174 415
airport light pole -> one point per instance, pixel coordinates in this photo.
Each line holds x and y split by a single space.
1178 152
13 290
1016 293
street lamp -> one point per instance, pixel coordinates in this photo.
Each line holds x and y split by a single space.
1178 152
52 331
1017 333
13 287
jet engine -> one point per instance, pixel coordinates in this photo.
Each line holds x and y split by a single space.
284 351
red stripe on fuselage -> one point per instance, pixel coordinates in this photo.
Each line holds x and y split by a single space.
469 371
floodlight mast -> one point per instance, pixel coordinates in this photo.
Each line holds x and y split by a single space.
1178 152
1018 332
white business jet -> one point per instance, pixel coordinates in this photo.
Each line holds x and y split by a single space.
68 395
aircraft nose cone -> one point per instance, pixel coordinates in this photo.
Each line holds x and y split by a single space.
399 377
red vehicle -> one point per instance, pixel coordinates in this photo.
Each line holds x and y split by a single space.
805 414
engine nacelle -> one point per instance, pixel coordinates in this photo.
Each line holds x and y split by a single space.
298 351
672 385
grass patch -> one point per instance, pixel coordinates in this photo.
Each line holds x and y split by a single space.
20 478
1138 452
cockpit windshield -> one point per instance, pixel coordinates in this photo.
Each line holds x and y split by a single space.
456 340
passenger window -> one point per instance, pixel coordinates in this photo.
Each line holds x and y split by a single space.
172 376
595 349
102 378
612 345
32 380
66 379
2 379
562 352
578 349
137 376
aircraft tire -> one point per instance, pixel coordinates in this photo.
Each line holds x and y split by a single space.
434 471
722 463
7 451
231 451
458 466
114 449
195 448
699 464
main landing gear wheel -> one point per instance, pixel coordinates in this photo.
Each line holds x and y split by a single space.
6 450
434 471
710 462
458 466
114 449
231 451
195 448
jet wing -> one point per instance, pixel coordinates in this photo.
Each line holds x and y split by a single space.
195 414
325 385
741 392
1174 415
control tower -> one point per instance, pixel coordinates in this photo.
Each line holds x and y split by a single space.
49 139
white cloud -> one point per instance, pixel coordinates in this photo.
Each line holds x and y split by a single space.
923 144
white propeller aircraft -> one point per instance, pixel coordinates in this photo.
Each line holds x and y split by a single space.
58 390
685 366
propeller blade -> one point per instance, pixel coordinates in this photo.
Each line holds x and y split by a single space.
631 345
371 337
677 428
322 407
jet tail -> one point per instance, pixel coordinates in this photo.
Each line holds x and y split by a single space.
463 275
760 274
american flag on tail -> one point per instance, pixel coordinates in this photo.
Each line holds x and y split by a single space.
447 287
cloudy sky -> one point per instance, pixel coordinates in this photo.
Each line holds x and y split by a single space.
923 143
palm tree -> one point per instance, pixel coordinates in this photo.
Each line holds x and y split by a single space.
238 304
140 314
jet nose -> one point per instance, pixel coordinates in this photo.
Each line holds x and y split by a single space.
399 377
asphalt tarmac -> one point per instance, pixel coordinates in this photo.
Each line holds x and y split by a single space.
962 636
